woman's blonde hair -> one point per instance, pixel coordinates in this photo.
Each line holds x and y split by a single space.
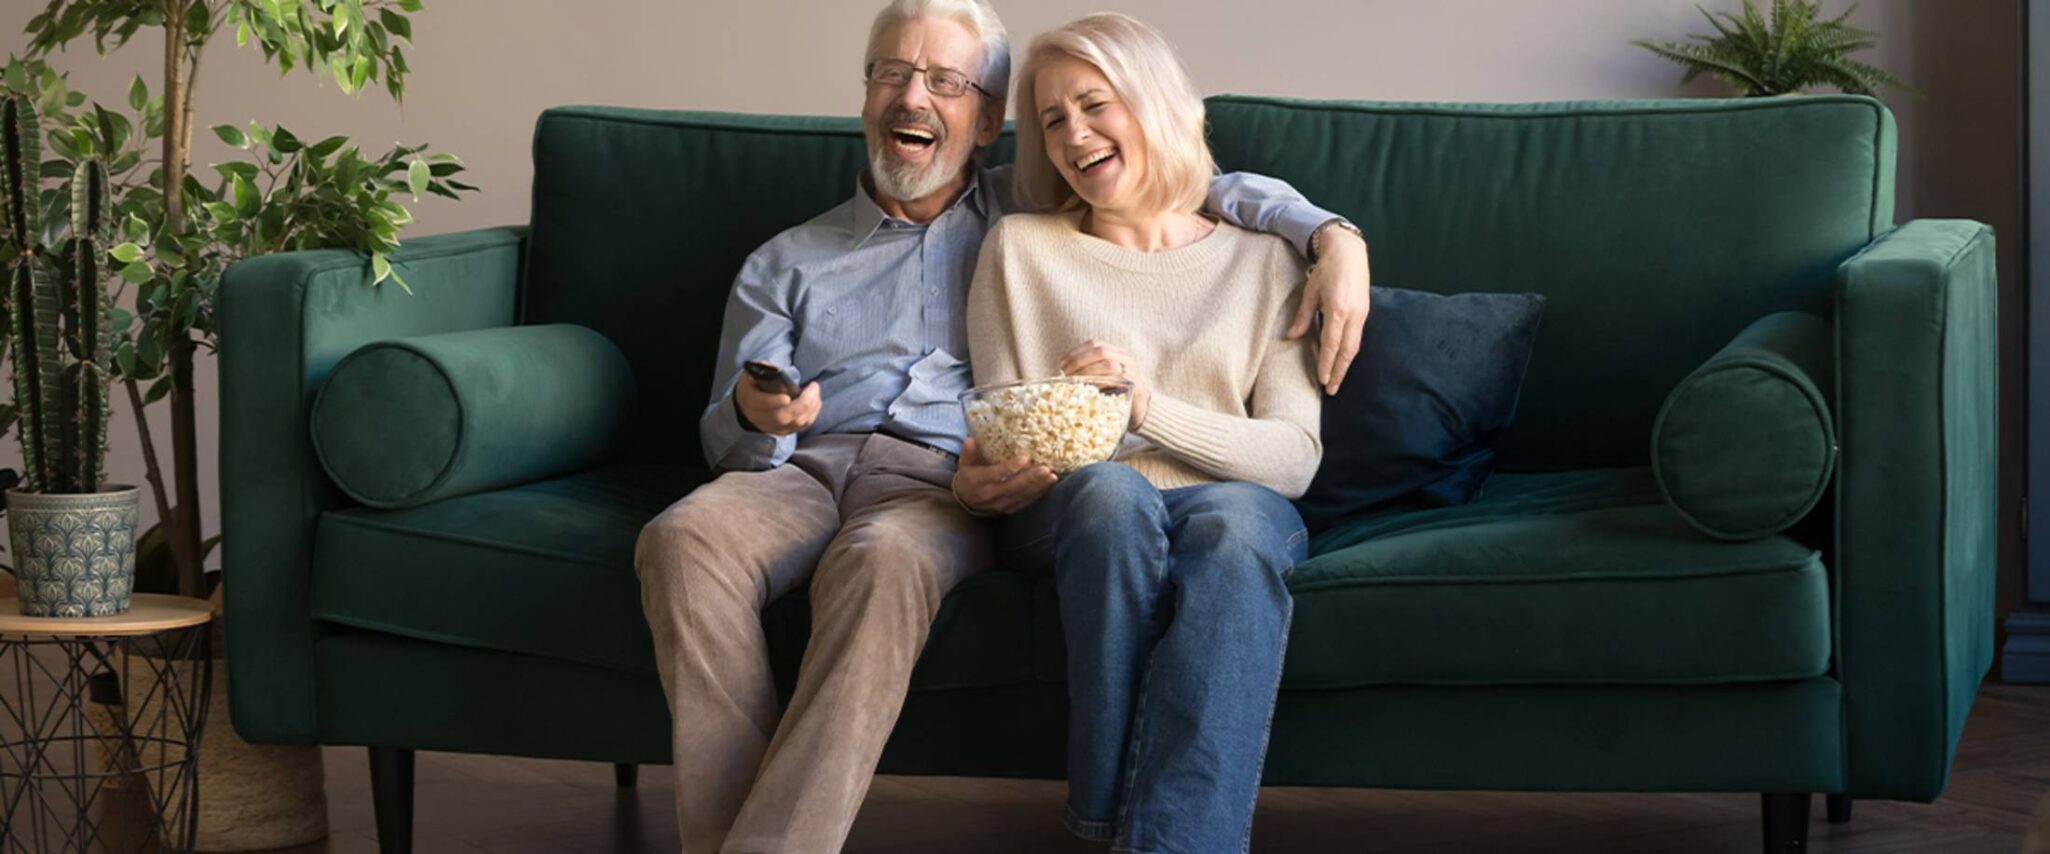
1148 75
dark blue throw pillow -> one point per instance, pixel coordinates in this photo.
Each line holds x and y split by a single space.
1426 402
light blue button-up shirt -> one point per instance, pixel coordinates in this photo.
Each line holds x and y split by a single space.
873 309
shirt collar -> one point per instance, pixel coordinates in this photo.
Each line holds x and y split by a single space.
868 216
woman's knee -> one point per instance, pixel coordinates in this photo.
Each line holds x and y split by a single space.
1109 495
1246 522
1111 539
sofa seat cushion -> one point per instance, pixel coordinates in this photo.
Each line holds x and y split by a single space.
546 569
1572 577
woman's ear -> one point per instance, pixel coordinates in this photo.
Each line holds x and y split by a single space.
992 125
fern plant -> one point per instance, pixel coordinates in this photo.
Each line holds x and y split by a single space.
1793 50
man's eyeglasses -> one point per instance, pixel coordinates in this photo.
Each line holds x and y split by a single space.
944 82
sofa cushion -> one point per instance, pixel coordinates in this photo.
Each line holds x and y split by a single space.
1575 577
1745 445
1433 389
547 569
408 421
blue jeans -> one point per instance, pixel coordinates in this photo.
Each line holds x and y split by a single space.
1176 612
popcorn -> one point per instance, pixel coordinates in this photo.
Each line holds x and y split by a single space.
1063 423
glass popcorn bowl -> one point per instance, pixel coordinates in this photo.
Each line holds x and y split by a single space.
1064 423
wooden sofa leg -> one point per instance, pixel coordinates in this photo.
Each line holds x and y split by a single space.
1786 822
626 774
1839 809
391 792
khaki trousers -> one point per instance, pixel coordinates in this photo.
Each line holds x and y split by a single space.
877 518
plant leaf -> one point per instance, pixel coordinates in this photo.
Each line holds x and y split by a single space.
232 135
285 142
1699 58
247 202
232 168
328 146
396 23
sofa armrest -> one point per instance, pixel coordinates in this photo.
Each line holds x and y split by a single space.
285 320
1917 395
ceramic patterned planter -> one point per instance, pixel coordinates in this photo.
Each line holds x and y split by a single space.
74 555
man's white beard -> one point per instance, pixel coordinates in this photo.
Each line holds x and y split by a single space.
908 182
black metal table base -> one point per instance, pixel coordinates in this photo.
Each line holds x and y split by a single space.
61 781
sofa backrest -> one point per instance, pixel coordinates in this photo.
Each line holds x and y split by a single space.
1657 229
640 220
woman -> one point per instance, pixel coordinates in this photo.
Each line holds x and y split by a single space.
1170 561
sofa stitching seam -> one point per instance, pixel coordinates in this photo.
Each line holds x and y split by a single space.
401 530
1813 559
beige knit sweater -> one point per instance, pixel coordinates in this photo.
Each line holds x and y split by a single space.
1232 399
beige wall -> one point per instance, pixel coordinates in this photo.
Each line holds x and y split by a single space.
483 71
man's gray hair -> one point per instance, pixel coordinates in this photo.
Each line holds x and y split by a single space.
977 15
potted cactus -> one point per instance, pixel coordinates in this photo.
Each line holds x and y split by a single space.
73 535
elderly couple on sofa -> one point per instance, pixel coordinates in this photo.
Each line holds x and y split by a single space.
847 467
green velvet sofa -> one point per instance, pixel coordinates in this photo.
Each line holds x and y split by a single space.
1567 631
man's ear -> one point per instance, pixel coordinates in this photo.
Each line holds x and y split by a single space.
992 124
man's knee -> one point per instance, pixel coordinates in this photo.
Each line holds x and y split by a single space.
883 566
666 540
682 555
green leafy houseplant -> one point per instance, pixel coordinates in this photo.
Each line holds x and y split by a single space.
1793 50
180 233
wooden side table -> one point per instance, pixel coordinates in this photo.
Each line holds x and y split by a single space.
50 778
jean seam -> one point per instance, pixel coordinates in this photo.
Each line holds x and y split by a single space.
1260 767
1134 750
1145 682
1094 831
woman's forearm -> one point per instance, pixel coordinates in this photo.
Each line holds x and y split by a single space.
1280 453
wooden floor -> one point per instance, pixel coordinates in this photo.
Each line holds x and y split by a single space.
470 804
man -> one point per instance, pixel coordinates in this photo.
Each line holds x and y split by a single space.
846 480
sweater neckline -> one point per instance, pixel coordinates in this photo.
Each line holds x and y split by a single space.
1203 251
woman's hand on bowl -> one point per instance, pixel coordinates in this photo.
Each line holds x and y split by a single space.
1093 358
1002 487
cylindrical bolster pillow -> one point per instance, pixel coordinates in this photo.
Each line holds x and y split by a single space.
1744 446
408 421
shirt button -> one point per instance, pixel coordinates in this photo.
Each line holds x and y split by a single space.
934 292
